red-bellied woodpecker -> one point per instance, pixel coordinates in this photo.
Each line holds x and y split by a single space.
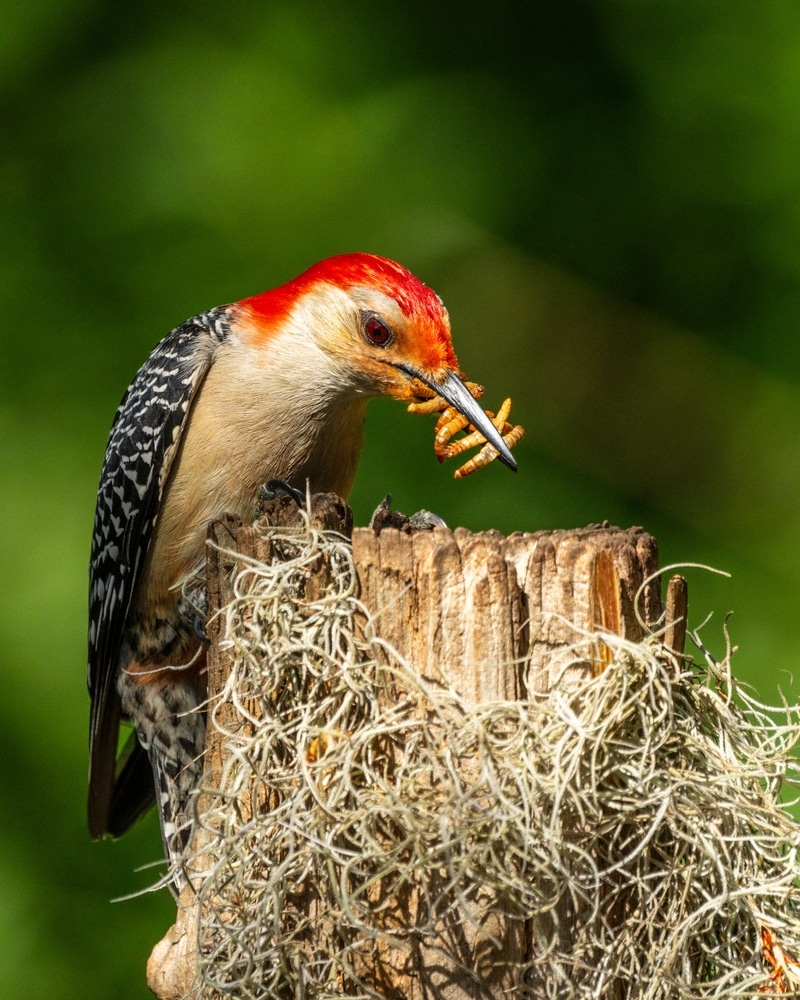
273 386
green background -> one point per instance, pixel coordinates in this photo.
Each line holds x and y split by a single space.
606 193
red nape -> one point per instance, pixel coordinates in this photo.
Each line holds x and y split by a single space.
271 307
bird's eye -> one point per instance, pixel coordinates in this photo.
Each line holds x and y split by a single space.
377 332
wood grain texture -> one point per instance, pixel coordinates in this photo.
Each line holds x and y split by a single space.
676 611
500 617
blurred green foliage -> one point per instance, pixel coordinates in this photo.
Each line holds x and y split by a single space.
606 193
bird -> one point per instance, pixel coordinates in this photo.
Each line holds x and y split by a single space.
275 385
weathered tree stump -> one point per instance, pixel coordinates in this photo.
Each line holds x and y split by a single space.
495 619
480 607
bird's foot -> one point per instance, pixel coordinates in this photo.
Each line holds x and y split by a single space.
385 517
200 630
193 609
274 489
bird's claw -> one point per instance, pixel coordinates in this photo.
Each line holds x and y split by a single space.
424 520
200 630
193 608
273 489
385 517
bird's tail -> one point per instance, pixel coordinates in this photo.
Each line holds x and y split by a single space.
170 727
176 780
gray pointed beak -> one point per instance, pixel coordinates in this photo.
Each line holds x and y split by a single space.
458 395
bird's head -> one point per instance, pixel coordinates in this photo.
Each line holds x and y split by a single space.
385 330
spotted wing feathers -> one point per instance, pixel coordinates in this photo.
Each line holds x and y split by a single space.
144 439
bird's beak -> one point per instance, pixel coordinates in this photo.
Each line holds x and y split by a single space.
453 390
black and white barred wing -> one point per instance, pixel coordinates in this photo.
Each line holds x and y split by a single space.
144 440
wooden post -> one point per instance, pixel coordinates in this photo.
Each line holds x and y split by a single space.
480 606
494 618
